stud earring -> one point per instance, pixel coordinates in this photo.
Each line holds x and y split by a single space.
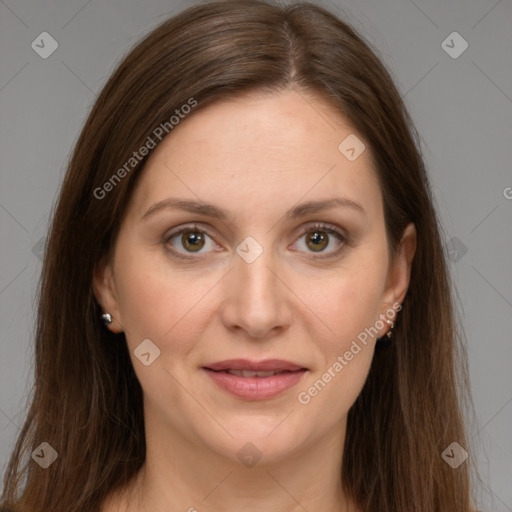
391 325
106 318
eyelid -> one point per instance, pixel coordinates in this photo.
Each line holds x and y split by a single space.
331 229
325 226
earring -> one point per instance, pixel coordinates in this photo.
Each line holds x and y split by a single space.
106 318
391 325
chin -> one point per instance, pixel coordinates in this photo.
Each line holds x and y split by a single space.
264 440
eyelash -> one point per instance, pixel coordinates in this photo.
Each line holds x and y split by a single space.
319 226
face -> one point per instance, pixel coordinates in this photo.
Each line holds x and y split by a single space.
253 244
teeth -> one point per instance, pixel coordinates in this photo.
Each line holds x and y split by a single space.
250 373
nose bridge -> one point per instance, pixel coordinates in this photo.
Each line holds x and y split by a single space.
256 278
257 299
252 268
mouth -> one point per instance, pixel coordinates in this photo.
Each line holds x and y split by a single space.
251 373
255 380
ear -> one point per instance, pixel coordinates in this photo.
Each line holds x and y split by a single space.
399 273
105 292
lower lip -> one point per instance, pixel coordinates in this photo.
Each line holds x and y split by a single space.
255 388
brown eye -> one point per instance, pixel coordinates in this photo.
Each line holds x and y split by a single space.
317 240
189 240
324 240
192 240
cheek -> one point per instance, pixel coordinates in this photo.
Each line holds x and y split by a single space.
350 301
160 303
141 296
350 307
346 355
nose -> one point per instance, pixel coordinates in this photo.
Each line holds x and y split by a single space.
256 301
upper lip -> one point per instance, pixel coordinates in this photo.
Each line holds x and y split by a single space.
255 366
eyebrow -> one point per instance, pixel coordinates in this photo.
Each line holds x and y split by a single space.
217 212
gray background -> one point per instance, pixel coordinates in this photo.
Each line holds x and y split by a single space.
462 108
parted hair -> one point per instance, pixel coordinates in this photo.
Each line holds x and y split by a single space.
86 401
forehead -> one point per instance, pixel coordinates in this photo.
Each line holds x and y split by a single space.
260 148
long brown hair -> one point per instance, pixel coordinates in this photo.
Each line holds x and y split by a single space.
87 401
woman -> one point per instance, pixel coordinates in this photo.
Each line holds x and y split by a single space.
244 300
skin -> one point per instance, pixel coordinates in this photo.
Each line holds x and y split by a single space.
256 156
